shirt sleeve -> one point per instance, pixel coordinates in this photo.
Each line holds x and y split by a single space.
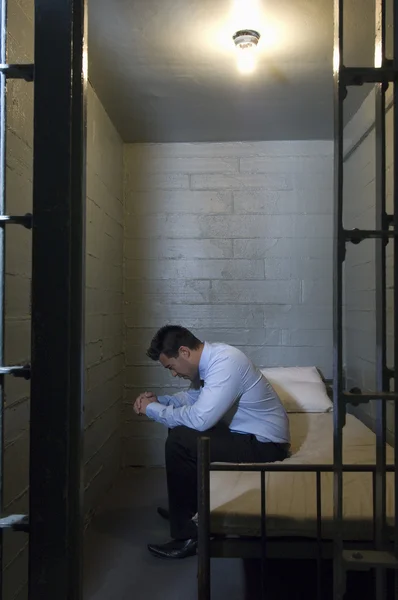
221 390
186 397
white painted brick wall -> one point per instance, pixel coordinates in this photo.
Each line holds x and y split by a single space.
233 241
176 201
194 269
283 248
255 292
360 331
282 202
226 181
175 248
228 226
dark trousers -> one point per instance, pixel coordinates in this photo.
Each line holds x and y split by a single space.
181 468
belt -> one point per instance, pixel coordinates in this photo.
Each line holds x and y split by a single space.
284 447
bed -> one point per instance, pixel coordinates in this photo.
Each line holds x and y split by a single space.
297 504
291 497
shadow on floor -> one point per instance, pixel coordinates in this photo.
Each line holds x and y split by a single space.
118 566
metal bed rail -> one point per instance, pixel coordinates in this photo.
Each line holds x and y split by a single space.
362 558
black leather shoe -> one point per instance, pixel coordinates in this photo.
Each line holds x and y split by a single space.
163 512
175 549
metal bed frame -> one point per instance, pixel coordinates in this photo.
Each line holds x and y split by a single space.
380 555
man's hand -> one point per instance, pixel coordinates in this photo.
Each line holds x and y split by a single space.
142 402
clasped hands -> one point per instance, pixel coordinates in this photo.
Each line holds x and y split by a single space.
141 403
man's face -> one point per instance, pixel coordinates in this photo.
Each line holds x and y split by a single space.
182 366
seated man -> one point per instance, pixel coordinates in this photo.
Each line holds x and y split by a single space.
230 400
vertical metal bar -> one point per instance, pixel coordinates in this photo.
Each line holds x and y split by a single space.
263 538
3 159
395 224
374 505
58 289
381 321
78 291
204 518
338 259
319 536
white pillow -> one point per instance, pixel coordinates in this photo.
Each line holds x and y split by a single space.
300 389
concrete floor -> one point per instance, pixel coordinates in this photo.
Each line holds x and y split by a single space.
119 567
118 563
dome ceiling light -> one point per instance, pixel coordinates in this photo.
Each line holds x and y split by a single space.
246 41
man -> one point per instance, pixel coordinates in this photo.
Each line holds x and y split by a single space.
229 399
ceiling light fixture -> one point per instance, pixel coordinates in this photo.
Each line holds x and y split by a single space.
246 41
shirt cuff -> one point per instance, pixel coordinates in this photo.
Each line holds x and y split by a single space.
153 410
164 400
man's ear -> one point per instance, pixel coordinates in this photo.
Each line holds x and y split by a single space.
184 352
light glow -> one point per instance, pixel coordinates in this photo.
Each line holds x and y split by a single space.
378 55
247 58
85 63
246 14
336 59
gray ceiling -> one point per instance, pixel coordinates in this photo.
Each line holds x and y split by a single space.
165 70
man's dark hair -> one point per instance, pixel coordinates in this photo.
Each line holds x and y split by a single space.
169 340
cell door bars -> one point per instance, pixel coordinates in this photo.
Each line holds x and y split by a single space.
382 74
55 522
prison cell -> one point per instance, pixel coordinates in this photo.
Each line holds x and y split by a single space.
55 517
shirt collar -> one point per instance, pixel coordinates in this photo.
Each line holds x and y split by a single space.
204 360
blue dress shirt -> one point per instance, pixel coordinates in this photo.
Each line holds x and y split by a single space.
234 392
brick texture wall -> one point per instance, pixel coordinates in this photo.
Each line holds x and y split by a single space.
104 352
234 241
17 296
360 315
104 304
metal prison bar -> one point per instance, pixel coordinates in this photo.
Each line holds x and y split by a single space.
383 72
55 523
58 290
381 556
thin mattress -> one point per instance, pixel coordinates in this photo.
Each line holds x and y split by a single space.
291 497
